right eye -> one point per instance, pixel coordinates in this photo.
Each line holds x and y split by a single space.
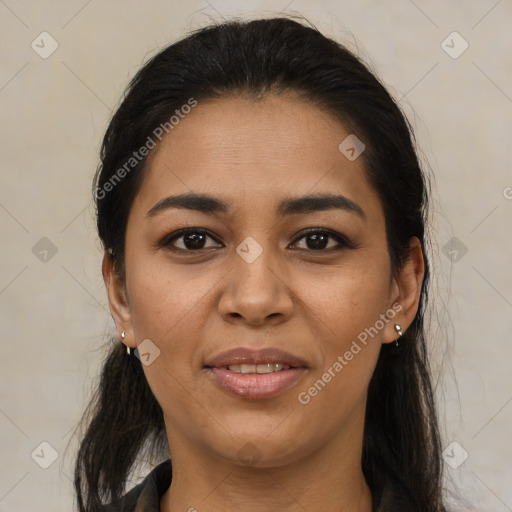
192 240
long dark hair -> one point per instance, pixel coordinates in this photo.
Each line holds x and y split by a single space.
268 56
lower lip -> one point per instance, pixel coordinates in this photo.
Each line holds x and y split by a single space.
257 386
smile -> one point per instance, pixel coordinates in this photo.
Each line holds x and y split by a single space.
258 368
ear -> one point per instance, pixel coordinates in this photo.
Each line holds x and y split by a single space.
406 291
118 301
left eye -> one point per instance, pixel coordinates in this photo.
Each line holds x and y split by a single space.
318 240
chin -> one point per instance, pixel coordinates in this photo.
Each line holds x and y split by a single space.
263 449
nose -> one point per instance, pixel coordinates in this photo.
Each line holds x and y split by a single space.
256 292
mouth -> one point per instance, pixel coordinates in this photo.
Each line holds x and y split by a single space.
255 374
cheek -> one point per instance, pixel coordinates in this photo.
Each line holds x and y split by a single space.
163 300
350 344
349 302
171 308
349 311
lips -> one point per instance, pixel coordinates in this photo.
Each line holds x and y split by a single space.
255 374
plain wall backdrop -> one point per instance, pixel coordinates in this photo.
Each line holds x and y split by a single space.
57 92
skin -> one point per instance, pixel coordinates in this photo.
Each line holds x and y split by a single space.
252 153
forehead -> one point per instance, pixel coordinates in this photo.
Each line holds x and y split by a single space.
254 151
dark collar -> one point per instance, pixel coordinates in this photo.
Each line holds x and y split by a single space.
146 496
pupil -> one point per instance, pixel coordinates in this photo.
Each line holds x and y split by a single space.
319 241
193 241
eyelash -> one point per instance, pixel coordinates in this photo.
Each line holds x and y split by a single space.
344 242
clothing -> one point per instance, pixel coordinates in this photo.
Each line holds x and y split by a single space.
145 497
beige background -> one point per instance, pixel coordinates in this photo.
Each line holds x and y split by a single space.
53 314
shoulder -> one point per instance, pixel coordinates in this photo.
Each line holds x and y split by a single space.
145 497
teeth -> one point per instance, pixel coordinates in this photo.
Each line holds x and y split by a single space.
258 368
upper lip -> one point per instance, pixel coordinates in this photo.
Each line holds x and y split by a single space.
242 355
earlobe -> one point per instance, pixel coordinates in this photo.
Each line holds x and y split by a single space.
406 291
118 303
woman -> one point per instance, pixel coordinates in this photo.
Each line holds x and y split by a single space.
262 211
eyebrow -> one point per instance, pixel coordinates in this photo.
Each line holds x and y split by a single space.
295 205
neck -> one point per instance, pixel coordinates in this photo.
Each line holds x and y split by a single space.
329 479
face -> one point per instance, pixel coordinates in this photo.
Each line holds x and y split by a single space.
264 280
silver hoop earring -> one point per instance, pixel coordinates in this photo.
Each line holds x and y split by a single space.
123 335
398 329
